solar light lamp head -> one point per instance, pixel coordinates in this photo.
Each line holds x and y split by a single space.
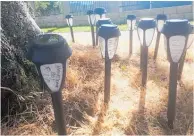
108 40
145 30
69 19
50 52
176 33
131 21
91 17
160 18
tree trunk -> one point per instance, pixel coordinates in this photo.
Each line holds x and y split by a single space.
19 78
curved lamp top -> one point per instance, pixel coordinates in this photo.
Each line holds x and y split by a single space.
90 12
131 17
147 23
49 48
107 31
68 16
161 17
100 10
176 27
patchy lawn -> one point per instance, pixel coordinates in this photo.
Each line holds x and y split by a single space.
132 110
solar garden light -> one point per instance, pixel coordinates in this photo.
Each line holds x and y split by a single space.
69 19
99 12
91 20
131 21
176 33
99 23
108 41
145 31
160 19
50 52
189 43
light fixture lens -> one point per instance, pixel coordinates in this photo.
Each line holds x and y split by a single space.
160 24
89 19
190 40
67 21
71 21
52 75
101 42
140 35
149 34
93 19
177 44
131 24
112 46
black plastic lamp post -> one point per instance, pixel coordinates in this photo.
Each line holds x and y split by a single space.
69 19
176 33
91 20
145 31
108 41
50 52
131 21
189 43
161 18
99 23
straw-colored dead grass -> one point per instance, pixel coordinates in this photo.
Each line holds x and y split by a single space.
132 110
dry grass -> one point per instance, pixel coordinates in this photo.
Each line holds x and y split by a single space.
83 85
132 110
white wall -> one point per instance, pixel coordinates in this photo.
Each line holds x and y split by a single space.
181 12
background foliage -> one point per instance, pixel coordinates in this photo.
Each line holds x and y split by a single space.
45 8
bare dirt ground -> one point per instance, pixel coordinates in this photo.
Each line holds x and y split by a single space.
132 110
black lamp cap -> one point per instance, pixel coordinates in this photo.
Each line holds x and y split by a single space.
90 12
100 10
161 17
147 23
174 27
103 21
42 40
131 17
68 16
43 51
107 31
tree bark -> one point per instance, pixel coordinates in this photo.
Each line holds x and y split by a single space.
18 75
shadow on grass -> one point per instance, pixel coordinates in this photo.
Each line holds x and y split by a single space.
159 72
183 124
138 124
100 120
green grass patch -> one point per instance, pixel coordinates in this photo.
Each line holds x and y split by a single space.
66 29
122 27
75 29
192 22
